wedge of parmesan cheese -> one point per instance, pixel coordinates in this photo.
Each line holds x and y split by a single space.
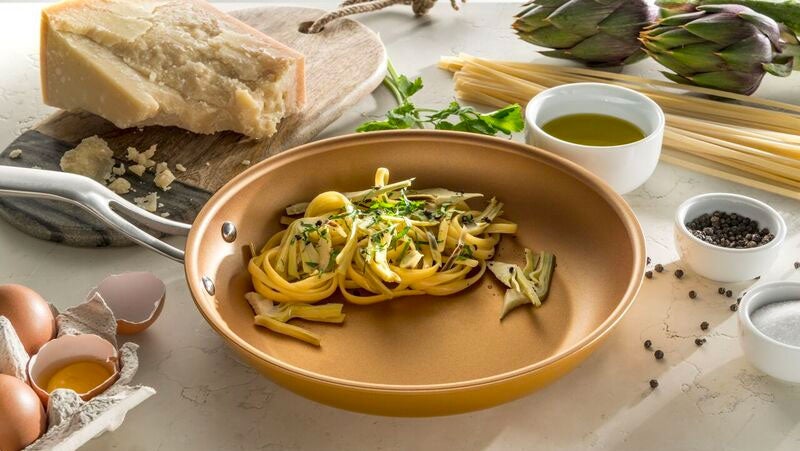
167 62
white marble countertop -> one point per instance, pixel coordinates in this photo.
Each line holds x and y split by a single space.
709 398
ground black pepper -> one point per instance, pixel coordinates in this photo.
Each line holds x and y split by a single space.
659 354
699 341
704 325
679 273
653 383
692 294
729 230
734 307
796 265
721 290
648 260
649 274
728 293
659 267
647 344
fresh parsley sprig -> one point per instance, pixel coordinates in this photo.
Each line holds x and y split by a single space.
454 117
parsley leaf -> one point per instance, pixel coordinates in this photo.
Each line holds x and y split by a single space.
506 120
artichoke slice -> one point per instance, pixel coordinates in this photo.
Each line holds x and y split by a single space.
275 316
528 285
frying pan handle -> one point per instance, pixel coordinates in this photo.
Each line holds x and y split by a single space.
97 199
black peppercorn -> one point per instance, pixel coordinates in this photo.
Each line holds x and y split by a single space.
649 274
699 341
648 260
659 354
734 307
721 290
659 267
692 294
653 383
647 344
796 265
704 325
729 230
728 293
679 273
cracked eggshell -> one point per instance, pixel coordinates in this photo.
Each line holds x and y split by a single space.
136 298
67 349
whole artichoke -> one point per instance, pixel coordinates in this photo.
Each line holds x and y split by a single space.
727 47
597 32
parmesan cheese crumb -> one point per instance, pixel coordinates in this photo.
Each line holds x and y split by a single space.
180 167
164 179
137 169
161 167
120 186
14 154
91 158
165 214
118 170
142 158
133 155
149 202
246 162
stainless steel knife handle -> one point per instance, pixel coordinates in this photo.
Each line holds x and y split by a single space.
97 199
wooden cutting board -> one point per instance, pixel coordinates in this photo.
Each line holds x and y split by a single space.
344 63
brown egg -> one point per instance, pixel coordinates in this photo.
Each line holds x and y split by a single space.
29 314
22 417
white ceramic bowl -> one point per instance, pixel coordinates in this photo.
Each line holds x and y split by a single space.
720 263
777 359
624 167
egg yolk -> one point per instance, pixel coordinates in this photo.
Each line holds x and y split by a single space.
79 376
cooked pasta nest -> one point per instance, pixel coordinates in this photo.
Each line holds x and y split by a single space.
374 245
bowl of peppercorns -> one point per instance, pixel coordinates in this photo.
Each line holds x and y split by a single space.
728 237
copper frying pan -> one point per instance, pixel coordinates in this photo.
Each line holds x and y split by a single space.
415 356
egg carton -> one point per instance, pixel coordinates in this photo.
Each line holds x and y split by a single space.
71 421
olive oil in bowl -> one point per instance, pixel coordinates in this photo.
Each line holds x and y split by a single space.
589 129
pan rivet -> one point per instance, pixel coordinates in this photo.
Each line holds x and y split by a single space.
228 232
208 285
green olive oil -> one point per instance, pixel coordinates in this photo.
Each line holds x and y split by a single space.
590 129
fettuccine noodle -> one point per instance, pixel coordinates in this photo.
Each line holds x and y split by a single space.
376 245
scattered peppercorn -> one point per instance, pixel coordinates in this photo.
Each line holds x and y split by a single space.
734 307
796 265
699 341
679 273
653 383
728 293
704 325
738 300
649 274
647 344
729 230
659 354
692 294
648 260
659 267
721 290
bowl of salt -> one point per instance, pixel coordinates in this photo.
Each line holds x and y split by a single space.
769 322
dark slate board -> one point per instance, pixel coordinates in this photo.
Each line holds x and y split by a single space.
69 224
